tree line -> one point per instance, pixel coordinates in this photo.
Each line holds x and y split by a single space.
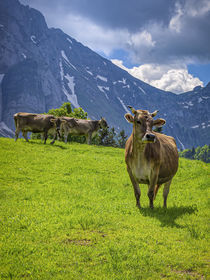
199 153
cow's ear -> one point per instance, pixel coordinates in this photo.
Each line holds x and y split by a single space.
159 122
129 118
53 120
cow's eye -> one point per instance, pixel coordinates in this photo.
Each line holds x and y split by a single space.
138 122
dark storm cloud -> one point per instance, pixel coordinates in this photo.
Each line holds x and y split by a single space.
130 14
153 31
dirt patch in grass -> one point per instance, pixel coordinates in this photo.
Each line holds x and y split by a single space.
81 242
189 272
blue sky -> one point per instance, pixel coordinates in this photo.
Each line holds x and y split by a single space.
165 43
202 71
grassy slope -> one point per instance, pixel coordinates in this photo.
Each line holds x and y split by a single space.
68 212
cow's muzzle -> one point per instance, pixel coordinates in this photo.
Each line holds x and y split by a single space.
149 137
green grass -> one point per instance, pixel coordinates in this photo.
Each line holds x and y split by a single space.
68 212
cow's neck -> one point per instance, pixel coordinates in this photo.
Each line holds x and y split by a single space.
138 146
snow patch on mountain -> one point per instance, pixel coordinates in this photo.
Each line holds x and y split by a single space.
71 97
127 86
142 90
195 126
67 60
101 88
89 72
71 84
104 89
122 103
123 81
182 145
104 79
70 41
1 77
24 56
33 39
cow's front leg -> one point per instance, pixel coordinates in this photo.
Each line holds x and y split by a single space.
165 193
54 137
137 191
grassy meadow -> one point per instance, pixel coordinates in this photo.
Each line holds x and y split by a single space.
68 212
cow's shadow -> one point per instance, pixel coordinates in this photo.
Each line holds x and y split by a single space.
168 216
47 144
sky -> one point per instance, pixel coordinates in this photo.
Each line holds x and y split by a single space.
165 43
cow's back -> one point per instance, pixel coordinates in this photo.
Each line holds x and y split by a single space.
82 127
23 119
33 122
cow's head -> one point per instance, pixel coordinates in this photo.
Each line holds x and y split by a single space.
103 123
142 124
57 124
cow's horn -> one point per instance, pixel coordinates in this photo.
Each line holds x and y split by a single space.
132 109
154 113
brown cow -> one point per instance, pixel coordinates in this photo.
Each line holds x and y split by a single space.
151 157
36 123
88 128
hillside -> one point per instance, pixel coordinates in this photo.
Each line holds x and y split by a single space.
41 68
68 212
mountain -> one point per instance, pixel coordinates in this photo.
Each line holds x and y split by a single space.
41 68
195 105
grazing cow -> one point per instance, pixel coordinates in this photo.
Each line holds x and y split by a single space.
45 124
151 157
88 128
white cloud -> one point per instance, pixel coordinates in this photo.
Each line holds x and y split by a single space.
195 9
90 34
175 22
102 39
174 78
140 39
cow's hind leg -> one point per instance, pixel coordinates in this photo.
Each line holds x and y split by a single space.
165 192
156 190
89 138
137 191
45 137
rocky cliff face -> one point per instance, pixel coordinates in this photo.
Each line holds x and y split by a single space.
41 68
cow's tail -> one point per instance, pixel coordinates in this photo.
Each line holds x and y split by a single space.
156 190
15 119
